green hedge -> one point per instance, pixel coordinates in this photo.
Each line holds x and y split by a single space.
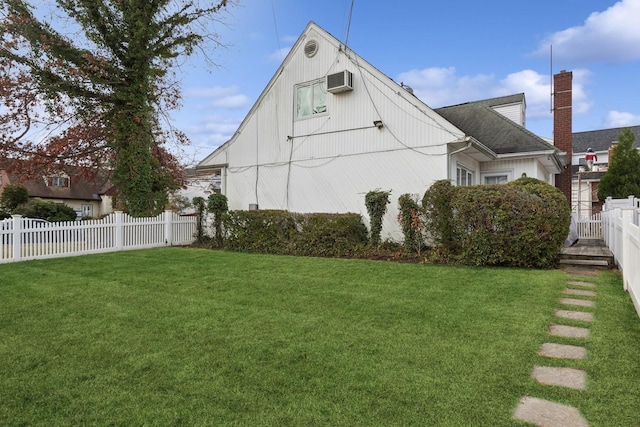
520 224
282 232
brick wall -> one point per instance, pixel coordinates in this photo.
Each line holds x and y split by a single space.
563 126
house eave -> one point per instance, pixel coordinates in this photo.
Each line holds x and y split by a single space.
473 148
552 159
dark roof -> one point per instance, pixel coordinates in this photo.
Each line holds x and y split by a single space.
600 140
80 187
502 135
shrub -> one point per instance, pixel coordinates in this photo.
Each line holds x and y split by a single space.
333 235
268 231
199 206
45 209
412 220
520 224
13 196
282 232
217 205
376 202
437 203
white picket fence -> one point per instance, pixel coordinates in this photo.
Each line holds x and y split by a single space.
621 230
590 227
26 239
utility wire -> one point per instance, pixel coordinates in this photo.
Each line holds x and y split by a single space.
346 40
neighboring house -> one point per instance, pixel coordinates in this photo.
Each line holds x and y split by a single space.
86 198
200 182
585 182
330 127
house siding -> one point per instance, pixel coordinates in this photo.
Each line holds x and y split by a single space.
328 162
514 112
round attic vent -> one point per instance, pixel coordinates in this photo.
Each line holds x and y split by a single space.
311 48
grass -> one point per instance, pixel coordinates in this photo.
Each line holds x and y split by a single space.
193 337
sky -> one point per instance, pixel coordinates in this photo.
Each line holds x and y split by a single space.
449 52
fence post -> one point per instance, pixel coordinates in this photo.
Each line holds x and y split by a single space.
16 227
627 218
119 230
168 227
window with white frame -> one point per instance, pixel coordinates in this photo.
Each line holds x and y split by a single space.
59 181
495 179
311 99
464 176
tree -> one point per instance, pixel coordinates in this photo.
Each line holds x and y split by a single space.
13 196
102 90
622 179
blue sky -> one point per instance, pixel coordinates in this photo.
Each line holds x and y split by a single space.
449 52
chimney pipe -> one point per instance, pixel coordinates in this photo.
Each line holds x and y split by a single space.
562 127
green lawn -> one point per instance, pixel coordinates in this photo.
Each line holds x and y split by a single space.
181 336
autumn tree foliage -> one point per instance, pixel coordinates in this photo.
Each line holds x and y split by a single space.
95 79
622 179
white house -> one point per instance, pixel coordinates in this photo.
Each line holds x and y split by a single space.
585 182
330 127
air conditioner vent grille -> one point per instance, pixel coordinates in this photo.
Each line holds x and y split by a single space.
340 82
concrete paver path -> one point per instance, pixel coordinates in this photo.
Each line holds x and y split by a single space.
549 414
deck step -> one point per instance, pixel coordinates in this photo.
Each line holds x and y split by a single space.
593 262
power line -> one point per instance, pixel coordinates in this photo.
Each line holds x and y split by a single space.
275 25
346 41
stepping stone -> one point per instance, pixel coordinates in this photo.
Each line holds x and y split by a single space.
568 331
561 377
549 414
575 315
581 272
561 351
580 302
582 292
583 284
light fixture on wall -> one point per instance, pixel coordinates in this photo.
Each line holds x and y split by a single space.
378 124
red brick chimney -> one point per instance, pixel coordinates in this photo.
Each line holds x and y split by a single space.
562 126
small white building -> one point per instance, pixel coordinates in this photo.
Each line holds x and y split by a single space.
330 127
585 182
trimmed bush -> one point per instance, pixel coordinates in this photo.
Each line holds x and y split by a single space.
282 232
376 202
439 222
412 220
268 231
330 235
520 224
47 210
217 205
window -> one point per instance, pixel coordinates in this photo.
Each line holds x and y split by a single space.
464 176
59 181
311 99
495 179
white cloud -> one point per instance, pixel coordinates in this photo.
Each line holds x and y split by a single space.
279 55
618 119
439 87
220 97
612 35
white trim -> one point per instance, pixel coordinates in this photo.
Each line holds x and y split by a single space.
500 172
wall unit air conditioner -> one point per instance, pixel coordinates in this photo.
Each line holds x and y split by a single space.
340 82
